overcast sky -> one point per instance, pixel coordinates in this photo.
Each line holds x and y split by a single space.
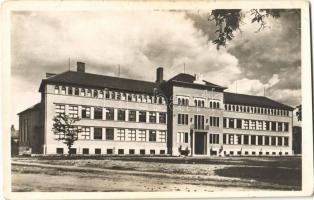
140 41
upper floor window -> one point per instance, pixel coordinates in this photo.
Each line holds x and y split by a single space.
97 133
183 119
183 101
84 133
199 122
76 91
85 112
70 91
152 136
63 90
142 116
121 134
56 89
162 136
95 93
121 115
82 92
132 134
60 109
152 117
109 114
199 103
97 113
214 104
101 94
73 111
132 115
109 134
142 135
162 118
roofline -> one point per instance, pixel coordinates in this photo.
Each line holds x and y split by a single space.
287 106
34 107
46 81
195 85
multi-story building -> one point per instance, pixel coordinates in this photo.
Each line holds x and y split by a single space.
184 115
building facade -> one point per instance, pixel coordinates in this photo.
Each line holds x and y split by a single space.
184 115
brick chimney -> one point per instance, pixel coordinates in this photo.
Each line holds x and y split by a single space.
80 67
159 74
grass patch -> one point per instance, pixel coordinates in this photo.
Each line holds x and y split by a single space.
281 176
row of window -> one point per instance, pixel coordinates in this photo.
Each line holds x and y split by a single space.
255 124
118 134
109 94
109 114
260 153
261 140
198 102
256 110
98 151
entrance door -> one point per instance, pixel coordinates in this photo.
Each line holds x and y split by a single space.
200 143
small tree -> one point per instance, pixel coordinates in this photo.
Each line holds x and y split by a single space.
63 125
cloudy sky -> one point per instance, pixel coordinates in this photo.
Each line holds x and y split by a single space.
140 41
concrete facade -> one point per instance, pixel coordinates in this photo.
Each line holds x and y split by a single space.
182 116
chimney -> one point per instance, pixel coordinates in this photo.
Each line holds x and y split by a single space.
159 74
80 67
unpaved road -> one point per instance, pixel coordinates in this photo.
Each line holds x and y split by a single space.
87 175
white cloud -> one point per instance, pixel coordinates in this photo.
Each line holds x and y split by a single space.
138 41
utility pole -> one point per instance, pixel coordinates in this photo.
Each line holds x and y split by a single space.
69 64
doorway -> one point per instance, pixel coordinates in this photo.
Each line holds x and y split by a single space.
200 143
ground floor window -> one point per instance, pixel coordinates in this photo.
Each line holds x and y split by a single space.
152 152
131 151
109 151
97 151
142 151
274 153
59 150
120 151
85 151
162 152
73 150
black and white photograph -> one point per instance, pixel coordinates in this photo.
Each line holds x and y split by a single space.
145 97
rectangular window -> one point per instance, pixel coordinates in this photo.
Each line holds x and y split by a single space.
120 151
239 123
252 124
224 139
183 119
73 150
121 134
59 150
109 151
231 139
162 152
259 125
152 152
280 126
86 112
132 115
60 109
286 126
109 134
253 140
97 133
199 122
76 91
273 141
162 136
231 123
142 151
70 91
273 126
214 138
224 122
186 137
73 111
109 114
162 118
152 117
266 140
260 140
279 141
97 151
121 115
245 139
97 113
245 124
85 151
131 151
142 135
132 135
152 136
286 141
84 133
142 116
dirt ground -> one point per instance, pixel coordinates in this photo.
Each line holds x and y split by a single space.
150 174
